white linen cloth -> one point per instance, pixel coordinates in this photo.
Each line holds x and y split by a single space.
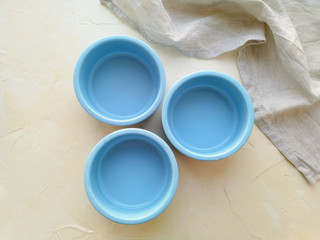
279 59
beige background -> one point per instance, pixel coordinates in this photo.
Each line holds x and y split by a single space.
46 137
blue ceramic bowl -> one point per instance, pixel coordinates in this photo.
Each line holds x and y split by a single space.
131 176
119 80
207 115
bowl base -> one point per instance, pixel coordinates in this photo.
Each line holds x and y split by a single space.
204 119
122 85
133 174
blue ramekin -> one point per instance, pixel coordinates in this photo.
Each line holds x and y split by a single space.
131 176
119 80
207 115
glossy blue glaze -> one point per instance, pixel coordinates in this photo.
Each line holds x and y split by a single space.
207 115
131 176
119 80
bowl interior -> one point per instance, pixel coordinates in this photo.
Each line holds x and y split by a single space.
131 178
208 116
119 78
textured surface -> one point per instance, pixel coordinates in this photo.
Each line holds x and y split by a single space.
46 138
278 61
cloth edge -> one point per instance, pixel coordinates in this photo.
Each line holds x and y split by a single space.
287 152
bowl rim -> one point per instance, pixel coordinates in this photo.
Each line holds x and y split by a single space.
166 198
201 156
109 120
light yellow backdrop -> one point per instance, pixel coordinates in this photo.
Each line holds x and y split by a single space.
46 137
